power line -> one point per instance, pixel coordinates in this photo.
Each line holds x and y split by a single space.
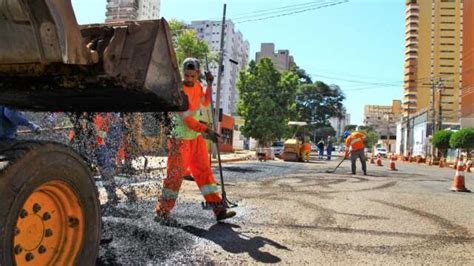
292 13
284 8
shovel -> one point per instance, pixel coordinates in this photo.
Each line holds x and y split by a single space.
334 170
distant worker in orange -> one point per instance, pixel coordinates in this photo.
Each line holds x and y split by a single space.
355 141
188 149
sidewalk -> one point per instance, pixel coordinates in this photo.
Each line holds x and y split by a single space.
236 156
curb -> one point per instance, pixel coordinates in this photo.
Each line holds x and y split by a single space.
245 158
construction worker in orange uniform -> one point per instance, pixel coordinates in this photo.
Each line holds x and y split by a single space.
355 141
188 149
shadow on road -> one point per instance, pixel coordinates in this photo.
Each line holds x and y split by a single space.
223 234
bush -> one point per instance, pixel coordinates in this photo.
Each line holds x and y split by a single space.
463 139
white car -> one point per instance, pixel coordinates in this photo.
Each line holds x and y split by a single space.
382 151
277 148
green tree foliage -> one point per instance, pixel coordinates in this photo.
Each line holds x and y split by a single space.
441 140
265 100
350 127
304 78
463 139
317 102
186 42
323 131
371 138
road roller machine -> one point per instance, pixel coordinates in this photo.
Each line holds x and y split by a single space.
49 207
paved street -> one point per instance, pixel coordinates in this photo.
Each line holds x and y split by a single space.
296 213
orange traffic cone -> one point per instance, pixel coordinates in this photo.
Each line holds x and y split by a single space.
392 165
441 162
379 161
372 160
455 165
468 166
458 182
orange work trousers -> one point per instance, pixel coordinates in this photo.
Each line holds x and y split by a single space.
185 156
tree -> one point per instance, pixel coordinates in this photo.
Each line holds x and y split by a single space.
371 138
350 127
265 100
304 78
186 43
441 140
463 139
317 102
323 131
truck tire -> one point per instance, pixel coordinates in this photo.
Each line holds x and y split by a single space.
49 208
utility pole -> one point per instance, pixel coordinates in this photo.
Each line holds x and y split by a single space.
434 86
440 108
220 70
408 130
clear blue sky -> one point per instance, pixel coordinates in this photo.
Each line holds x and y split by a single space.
353 45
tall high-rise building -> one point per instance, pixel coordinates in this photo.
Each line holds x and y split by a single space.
467 96
120 10
236 56
433 52
282 59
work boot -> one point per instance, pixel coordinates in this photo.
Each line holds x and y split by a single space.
224 214
166 220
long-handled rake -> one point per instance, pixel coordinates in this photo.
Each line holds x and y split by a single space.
334 170
225 203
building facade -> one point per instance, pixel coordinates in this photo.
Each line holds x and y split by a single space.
121 10
433 64
339 123
236 57
467 95
383 119
282 59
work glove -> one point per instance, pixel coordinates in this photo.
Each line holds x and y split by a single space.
212 135
209 78
36 129
346 155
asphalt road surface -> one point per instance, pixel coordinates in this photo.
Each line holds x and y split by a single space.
296 213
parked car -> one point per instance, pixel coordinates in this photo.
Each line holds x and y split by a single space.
382 151
277 148
314 147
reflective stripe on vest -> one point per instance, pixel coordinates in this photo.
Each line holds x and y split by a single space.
355 141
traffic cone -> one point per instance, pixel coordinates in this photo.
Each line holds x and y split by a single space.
372 160
455 165
458 182
441 162
379 161
392 165
468 166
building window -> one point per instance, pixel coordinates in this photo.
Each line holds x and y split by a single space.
227 135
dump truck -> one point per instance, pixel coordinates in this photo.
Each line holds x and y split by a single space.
49 207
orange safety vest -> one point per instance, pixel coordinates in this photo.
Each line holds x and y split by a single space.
356 141
306 147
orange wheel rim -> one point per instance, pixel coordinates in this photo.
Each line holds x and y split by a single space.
50 227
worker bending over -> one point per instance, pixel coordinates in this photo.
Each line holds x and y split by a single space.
355 141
